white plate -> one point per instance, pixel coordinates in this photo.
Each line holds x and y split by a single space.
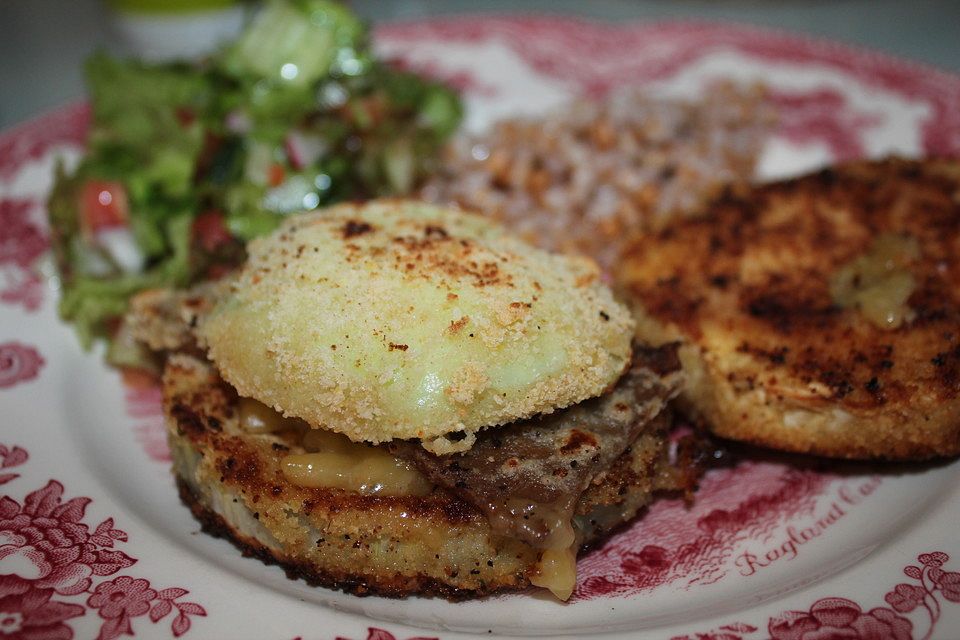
94 541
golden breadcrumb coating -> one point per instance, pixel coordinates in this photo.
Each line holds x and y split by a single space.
392 545
772 357
398 319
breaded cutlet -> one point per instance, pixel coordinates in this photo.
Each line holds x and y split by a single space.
398 319
397 398
804 331
435 544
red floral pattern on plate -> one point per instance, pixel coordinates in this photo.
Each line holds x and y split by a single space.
824 115
9 458
29 613
590 57
144 404
840 618
23 241
674 542
836 618
732 631
21 244
34 139
18 363
47 550
376 633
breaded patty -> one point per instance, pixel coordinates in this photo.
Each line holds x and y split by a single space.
398 319
777 358
433 544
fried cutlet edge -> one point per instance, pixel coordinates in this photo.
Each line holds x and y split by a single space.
365 545
744 378
721 399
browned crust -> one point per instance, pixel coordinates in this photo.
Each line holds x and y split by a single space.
202 422
354 584
748 285
304 279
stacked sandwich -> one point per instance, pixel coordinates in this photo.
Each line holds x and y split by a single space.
397 398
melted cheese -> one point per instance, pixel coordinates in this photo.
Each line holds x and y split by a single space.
256 417
333 461
557 571
879 283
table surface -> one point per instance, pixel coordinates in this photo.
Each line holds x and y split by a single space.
43 42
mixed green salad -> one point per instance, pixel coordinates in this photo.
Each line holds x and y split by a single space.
188 161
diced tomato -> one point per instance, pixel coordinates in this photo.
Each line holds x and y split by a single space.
275 174
103 205
185 116
217 271
210 230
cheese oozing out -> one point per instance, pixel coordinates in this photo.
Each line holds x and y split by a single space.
331 460
334 461
878 283
557 571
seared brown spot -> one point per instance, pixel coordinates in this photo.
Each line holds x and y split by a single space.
354 228
757 270
456 325
188 421
719 281
777 355
244 469
662 360
578 440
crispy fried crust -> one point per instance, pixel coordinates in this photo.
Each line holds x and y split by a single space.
399 319
434 545
771 359
353 583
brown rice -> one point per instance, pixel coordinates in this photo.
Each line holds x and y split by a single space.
582 178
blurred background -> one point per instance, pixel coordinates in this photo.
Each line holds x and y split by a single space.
44 42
